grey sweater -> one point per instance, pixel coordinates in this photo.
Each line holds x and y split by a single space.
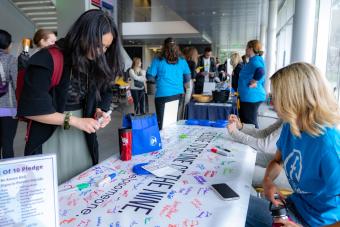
263 140
10 65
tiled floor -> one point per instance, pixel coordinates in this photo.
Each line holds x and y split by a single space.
108 137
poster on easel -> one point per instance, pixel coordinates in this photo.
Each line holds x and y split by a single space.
28 191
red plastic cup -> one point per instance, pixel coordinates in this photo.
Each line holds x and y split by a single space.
125 143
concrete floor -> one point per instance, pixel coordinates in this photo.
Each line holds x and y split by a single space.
108 137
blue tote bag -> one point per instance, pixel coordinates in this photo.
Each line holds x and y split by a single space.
145 132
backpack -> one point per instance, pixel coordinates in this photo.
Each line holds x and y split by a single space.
58 64
3 81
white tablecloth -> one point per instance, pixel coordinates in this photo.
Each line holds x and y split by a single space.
182 199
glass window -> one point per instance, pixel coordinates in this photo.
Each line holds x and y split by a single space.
333 55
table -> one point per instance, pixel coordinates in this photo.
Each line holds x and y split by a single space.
181 199
210 111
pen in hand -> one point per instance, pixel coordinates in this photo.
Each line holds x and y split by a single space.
101 119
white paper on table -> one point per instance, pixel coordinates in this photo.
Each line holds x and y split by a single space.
28 188
159 169
208 87
170 113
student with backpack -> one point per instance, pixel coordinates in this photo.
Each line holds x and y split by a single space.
8 110
65 116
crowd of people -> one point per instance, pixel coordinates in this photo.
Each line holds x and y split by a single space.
62 115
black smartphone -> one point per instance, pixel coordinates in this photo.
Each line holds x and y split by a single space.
225 192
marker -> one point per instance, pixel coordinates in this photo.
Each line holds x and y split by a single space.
101 119
217 151
106 179
78 187
225 149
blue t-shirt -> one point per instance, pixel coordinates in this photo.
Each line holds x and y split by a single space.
312 165
170 78
246 93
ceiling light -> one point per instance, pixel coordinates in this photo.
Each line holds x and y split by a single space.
47 23
41 13
37 8
213 12
43 18
30 2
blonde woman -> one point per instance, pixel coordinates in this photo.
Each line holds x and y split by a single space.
308 151
237 64
138 80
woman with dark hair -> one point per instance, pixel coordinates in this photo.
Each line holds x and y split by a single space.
171 73
65 117
251 83
8 110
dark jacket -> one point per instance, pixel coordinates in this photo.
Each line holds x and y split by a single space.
235 76
37 99
212 64
192 67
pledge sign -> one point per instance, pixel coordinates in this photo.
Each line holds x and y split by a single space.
28 191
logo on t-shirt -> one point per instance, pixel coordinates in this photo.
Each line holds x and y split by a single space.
293 165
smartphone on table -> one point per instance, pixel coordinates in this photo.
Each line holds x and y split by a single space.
225 192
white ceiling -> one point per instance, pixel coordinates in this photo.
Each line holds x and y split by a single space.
227 23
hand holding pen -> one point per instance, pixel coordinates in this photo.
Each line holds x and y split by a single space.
103 118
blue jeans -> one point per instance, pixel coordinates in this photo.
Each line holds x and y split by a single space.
259 214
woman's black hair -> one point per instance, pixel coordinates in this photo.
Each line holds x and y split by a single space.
85 39
5 39
170 51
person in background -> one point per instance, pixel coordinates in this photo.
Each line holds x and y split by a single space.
43 38
262 140
207 63
207 66
237 64
307 150
221 70
251 84
65 117
8 110
138 85
245 59
171 73
192 58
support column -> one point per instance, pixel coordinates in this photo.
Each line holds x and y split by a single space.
271 41
264 22
303 31
325 12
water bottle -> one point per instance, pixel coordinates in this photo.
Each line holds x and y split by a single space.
279 212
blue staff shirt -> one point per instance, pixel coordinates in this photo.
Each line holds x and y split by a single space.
170 78
312 165
247 73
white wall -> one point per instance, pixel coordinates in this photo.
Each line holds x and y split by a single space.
13 21
148 55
